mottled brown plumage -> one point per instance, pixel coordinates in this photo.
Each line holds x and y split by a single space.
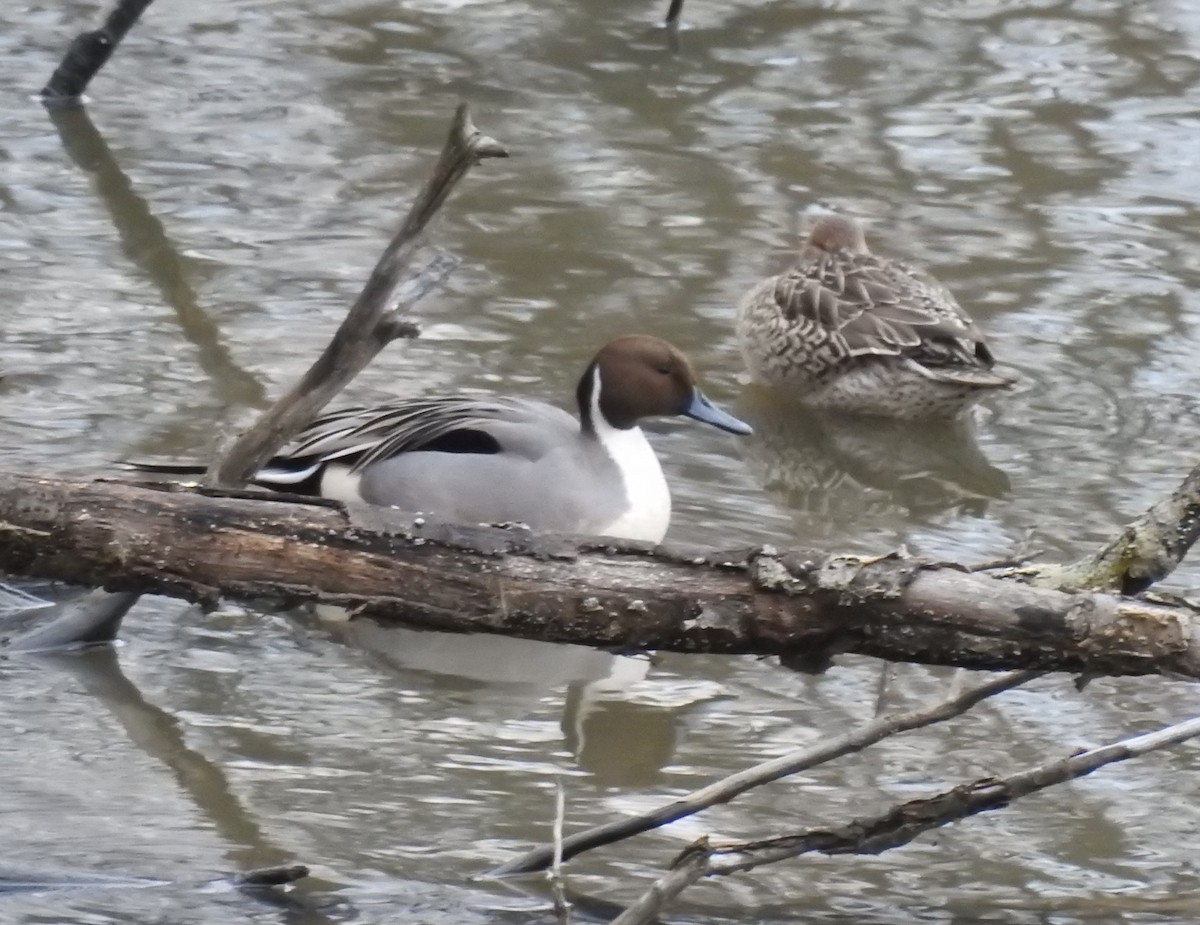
850 331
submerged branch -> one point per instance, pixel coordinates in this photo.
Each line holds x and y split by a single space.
271 876
802 759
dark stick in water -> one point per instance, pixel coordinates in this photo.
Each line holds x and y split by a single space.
88 52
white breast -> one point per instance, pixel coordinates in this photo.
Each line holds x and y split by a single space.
648 511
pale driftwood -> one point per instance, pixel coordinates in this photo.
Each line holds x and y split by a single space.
369 326
805 605
88 52
895 827
687 869
728 788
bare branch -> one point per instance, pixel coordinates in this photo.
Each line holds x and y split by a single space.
368 327
562 908
793 762
895 827
686 870
901 824
88 52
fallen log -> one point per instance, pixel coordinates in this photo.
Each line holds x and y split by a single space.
805 605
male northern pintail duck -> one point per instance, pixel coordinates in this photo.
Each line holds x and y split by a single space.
477 459
846 330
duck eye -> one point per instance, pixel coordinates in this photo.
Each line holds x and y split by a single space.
663 370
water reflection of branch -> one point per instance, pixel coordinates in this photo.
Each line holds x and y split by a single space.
144 241
157 733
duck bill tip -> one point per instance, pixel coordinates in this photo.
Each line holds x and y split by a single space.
703 410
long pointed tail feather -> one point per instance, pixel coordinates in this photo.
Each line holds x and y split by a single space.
299 478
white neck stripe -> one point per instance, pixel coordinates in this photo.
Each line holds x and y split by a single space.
648 500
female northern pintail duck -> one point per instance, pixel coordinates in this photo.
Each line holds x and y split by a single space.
477 459
850 331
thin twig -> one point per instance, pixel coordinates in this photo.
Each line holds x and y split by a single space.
898 825
724 790
426 279
88 52
562 908
368 326
672 19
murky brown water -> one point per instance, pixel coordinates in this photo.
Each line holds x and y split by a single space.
168 267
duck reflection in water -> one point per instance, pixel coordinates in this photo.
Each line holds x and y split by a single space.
819 463
619 726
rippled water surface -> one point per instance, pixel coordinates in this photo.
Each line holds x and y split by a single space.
175 261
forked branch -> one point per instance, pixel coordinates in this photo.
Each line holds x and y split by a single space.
898 825
369 326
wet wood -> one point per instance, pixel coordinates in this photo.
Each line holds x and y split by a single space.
90 51
805 605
